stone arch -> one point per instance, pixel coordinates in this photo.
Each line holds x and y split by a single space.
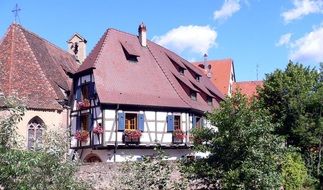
91 158
35 129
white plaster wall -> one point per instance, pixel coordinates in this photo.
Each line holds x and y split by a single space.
155 130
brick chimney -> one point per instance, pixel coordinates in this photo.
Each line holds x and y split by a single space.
77 47
207 67
142 32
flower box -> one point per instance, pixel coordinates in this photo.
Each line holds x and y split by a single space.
81 136
85 104
131 136
178 136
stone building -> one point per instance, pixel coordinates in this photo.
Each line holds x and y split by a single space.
36 72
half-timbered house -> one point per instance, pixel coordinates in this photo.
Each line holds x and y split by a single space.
131 95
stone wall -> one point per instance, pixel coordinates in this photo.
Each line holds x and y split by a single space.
100 175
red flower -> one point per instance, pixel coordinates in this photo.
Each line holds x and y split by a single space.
81 135
83 104
98 129
178 134
132 133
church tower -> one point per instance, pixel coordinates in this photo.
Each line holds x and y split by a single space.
77 47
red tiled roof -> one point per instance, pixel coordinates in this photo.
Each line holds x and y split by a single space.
33 69
221 73
248 88
152 81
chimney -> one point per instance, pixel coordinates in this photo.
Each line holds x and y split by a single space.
77 47
207 67
142 32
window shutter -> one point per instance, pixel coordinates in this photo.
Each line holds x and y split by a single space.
121 121
78 93
78 122
89 122
202 122
193 121
170 123
91 90
141 120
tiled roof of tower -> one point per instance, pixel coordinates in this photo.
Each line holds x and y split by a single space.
151 81
221 73
33 69
248 88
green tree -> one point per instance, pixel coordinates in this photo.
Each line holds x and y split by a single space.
244 153
46 168
294 171
294 97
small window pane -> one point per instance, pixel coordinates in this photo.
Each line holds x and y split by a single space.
177 122
131 121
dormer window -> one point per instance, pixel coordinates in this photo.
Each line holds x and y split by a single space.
181 71
193 95
129 57
197 78
129 51
209 101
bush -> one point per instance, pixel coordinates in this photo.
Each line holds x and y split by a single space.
294 171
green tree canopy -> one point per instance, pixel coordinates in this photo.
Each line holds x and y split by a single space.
244 152
294 97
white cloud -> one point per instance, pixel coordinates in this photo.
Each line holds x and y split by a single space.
284 39
308 48
196 39
302 8
228 8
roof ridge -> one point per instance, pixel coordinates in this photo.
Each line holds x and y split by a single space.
12 57
38 66
117 30
103 43
43 39
167 76
94 53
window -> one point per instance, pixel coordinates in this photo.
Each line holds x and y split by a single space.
85 91
173 123
35 132
193 95
209 101
177 122
131 121
181 70
199 122
85 125
197 78
130 57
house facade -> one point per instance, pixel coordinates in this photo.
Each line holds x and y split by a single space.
131 95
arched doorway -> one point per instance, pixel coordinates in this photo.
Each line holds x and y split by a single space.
35 132
92 158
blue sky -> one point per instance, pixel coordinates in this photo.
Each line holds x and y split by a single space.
251 32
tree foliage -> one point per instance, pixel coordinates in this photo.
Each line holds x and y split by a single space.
46 168
244 153
294 171
294 97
